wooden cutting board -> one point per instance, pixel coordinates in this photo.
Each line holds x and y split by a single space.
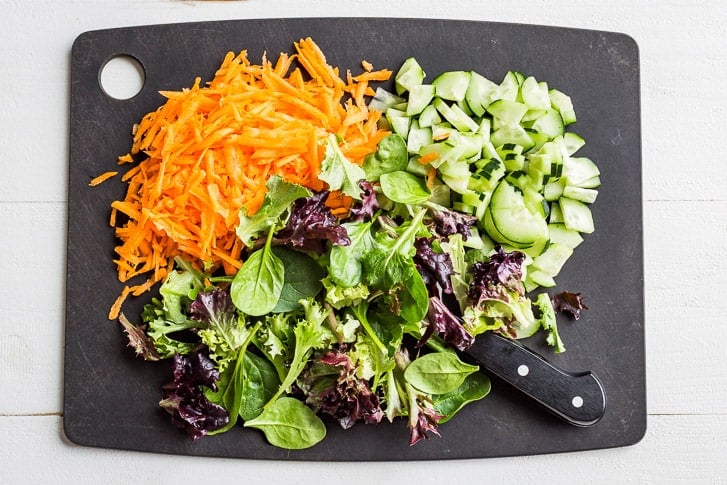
111 398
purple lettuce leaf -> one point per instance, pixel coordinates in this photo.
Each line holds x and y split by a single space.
436 268
311 224
443 322
494 278
423 420
214 308
448 222
184 397
571 303
333 388
365 209
142 344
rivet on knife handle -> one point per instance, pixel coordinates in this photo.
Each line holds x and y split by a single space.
578 398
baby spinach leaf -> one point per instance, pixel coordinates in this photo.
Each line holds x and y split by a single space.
438 373
344 266
258 386
278 198
256 288
404 187
390 155
413 295
288 423
474 387
338 172
302 279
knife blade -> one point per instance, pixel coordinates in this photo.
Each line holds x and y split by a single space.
577 398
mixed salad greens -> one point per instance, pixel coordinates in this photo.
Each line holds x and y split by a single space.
471 204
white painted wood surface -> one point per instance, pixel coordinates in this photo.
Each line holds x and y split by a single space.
683 49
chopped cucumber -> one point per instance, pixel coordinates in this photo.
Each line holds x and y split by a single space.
480 93
503 154
418 137
384 100
452 85
429 116
551 261
455 116
577 170
576 215
419 98
410 74
534 95
506 111
579 193
559 234
563 104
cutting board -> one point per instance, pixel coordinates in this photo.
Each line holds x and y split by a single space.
111 397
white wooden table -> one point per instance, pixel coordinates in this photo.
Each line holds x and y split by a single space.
683 49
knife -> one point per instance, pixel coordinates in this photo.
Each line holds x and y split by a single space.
577 398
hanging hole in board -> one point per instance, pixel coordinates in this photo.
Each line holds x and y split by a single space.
122 77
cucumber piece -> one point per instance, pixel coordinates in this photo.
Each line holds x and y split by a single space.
384 100
429 117
556 213
513 134
421 169
455 115
442 131
485 127
471 143
410 74
579 193
591 183
399 121
550 124
553 190
519 226
419 98
490 172
452 85
577 170
464 208
534 94
417 137
559 234
456 174
539 278
509 87
573 142
480 93
507 111
464 107
563 104
444 153
533 114
551 261
576 215
539 139
511 220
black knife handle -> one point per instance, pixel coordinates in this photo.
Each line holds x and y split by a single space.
578 398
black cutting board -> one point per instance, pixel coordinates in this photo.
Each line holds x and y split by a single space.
111 397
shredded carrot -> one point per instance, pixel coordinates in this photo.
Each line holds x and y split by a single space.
102 178
428 158
209 150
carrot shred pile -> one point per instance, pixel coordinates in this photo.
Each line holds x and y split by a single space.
209 150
